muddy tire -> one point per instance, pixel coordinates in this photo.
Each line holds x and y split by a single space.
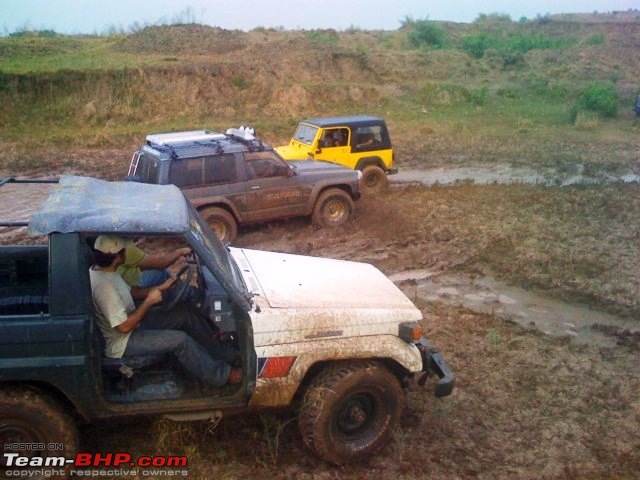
221 222
333 208
28 416
350 410
374 180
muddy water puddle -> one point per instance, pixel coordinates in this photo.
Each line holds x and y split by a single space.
507 175
530 310
17 203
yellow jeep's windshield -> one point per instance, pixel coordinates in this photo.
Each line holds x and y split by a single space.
305 133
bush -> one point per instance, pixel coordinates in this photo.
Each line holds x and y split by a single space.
490 18
425 33
329 36
518 45
597 98
595 39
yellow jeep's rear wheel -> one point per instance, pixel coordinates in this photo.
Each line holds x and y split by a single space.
374 179
350 410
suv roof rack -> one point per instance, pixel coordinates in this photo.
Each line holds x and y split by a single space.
184 137
246 135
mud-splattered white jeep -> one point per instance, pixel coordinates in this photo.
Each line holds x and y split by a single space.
336 339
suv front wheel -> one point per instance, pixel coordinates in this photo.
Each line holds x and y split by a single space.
350 410
221 222
333 208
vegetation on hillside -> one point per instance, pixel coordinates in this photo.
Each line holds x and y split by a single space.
450 88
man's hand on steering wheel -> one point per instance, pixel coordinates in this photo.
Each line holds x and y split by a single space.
167 284
182 290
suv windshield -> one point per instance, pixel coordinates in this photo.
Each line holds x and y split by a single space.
147 169
305 133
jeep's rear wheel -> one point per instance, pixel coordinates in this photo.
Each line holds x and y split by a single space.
29 417
374 179
222 223
333 208
350 410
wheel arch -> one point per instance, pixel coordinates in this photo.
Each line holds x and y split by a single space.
219 203
368 161
313 199
399 371
53 393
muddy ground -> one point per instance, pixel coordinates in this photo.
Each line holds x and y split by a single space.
527 405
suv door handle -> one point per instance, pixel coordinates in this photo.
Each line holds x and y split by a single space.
255 187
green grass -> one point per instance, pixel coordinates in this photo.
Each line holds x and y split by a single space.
41 55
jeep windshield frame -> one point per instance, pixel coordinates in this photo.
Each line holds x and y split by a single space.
305 133
216 256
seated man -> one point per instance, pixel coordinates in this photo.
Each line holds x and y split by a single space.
129 330
142 271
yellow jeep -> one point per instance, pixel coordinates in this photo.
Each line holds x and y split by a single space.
358 142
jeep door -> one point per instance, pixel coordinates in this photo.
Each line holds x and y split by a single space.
273 189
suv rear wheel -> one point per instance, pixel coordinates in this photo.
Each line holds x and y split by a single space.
374 179
350 410
29 417
333 208
221 222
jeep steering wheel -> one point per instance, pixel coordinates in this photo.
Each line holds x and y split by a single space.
181 288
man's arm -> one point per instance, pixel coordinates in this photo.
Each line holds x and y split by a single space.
162 261
135 318
139 292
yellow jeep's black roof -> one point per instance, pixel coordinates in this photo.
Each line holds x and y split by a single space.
344 121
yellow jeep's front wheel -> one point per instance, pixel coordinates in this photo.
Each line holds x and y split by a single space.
350 410
374 179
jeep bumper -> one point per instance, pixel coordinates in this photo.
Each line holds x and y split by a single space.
392 171
433 362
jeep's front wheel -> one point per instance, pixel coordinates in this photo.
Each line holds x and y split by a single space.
350 410
222 223
374 179
29 418
333 208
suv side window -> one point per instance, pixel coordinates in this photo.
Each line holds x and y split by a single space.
220 169
265 165
192 172
186 172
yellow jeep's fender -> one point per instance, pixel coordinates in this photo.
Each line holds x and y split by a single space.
282 368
